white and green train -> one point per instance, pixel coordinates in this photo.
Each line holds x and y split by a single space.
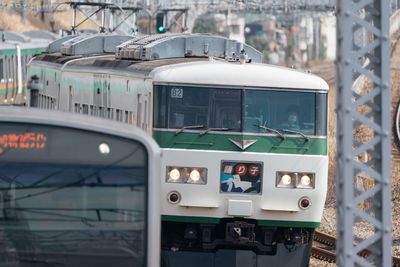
16 50
244 164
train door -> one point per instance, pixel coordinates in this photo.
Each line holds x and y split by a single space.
144 106
101 93
143 111
77 191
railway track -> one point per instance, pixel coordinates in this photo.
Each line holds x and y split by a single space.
324 247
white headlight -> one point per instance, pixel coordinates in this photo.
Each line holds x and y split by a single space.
295 180
186 175
104 149
174 175
305 180
195 175
286 179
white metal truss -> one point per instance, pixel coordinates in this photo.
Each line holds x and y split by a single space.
363 162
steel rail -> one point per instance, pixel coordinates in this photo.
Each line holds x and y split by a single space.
326 254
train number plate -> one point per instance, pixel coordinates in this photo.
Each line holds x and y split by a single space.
241 177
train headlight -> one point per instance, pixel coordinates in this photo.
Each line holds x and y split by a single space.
295 180
195 175
285 180
173 175
186 175
306 180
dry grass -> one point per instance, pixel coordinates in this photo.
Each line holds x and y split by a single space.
13 22
10 20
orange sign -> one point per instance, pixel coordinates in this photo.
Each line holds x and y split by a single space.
24 141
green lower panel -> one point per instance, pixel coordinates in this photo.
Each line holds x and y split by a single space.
33 51
221 142
210 220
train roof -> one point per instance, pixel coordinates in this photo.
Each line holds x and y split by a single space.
203 71
26 41
178 58
222 73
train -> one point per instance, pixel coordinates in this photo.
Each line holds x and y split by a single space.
16 50
76 191
244 163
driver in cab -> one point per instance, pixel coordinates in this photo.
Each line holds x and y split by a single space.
292 120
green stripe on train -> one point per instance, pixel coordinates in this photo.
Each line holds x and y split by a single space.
9 52
10 89
211 220
264 144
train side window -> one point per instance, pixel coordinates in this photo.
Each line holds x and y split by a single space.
119 115
126 116
145 115
53 103
77 108
85 109
40 101
95 110
1 69
139 112
9 72
110 113
130 120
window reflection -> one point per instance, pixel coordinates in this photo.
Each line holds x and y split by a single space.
67 214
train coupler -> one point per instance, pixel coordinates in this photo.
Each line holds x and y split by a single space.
240 232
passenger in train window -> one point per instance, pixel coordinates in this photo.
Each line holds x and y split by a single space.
292 119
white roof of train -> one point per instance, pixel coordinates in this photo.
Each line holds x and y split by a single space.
222 73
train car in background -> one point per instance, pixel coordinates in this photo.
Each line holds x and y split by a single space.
244 168
16 50
76 191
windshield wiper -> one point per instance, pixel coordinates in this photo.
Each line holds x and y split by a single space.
181 130
272 130
297 132
213 129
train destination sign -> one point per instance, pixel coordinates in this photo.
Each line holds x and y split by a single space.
22 141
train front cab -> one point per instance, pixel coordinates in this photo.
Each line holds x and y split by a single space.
237 189
76 191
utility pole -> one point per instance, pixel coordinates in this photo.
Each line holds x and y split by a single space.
23 12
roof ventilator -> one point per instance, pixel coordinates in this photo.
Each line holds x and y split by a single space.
92 44
163 46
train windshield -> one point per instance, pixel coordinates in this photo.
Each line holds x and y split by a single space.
236 110
71 198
